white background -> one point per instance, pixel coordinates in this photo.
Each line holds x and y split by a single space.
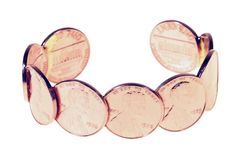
118 32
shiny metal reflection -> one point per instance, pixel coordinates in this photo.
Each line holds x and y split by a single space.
68 52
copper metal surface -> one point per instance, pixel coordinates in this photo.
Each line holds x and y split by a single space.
174 45
34 55
67 52
129 110
205 45
135 110
41 97
82 110
209 73
25 78
184 98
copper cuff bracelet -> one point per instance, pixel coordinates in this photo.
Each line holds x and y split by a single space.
128 110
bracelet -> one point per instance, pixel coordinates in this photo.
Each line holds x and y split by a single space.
128 110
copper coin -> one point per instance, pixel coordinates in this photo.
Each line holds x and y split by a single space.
184 99
205 45
68 52
33 55
174 45
41 98
135 110
82 110
209 72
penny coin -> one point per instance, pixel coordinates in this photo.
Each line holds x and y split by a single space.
209 72
135 110
184 99
35 55
68 52
174 45
42 98
82 110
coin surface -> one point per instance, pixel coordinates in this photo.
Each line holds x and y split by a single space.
134 110
184 98
68 52
209 73
175 46
34 55
41 97
82 110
